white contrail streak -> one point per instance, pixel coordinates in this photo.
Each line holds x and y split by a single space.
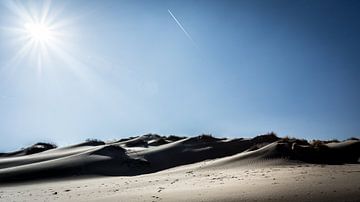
181 27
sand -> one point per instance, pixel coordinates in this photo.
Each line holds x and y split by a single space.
306 182
186 169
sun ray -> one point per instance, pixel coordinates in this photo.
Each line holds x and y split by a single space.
45 11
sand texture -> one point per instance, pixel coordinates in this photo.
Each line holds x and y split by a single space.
202 168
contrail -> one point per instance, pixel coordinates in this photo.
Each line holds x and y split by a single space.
181 27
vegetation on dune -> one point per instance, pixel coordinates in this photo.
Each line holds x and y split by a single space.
94 140
39 147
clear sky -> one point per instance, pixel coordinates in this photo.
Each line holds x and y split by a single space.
71 70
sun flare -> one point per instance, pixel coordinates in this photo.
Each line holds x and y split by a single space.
41 33
38 32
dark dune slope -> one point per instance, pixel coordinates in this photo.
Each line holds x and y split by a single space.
106 160
196 149
296 152
331 153
148 140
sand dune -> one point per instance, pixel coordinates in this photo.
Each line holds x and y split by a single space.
157 153
36 148
75 161
174 156
148 140
192 150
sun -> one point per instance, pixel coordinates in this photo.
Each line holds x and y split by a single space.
38 32
42 35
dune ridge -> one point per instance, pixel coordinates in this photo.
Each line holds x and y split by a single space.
152 153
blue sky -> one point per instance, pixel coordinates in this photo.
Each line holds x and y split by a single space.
124 68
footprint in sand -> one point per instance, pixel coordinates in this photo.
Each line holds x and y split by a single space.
176 180
156 197
160 189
